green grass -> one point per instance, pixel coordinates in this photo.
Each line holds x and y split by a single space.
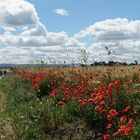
34 119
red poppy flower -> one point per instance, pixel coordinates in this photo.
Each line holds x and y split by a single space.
97 108
127 131
79 95
127 108
90 76
109 125
113 113
90 100
123 119
131 121
102 102
106 136
122 129
116 82
109 117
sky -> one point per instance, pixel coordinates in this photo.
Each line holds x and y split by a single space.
59 31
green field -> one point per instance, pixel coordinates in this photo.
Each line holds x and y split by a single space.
70 103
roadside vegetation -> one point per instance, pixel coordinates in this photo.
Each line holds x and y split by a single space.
71 103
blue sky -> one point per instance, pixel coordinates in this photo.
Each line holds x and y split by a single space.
60 30
83 13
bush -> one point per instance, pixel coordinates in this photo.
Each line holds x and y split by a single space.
47 85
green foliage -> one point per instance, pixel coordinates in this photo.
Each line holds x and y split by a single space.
46 86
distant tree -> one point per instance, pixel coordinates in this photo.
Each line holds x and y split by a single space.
111 63
136 62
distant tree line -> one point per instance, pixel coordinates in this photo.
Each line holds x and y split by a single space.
113 63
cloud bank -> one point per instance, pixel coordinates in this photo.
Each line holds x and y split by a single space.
120 35
25 38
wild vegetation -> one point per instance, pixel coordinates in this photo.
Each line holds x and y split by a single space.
72 103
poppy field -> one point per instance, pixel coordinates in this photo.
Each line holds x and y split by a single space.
74 103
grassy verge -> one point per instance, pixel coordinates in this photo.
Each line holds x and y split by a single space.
39 119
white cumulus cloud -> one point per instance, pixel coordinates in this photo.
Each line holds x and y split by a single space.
17 13
32 40
120 35
61 12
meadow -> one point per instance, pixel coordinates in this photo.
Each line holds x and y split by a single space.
71 103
